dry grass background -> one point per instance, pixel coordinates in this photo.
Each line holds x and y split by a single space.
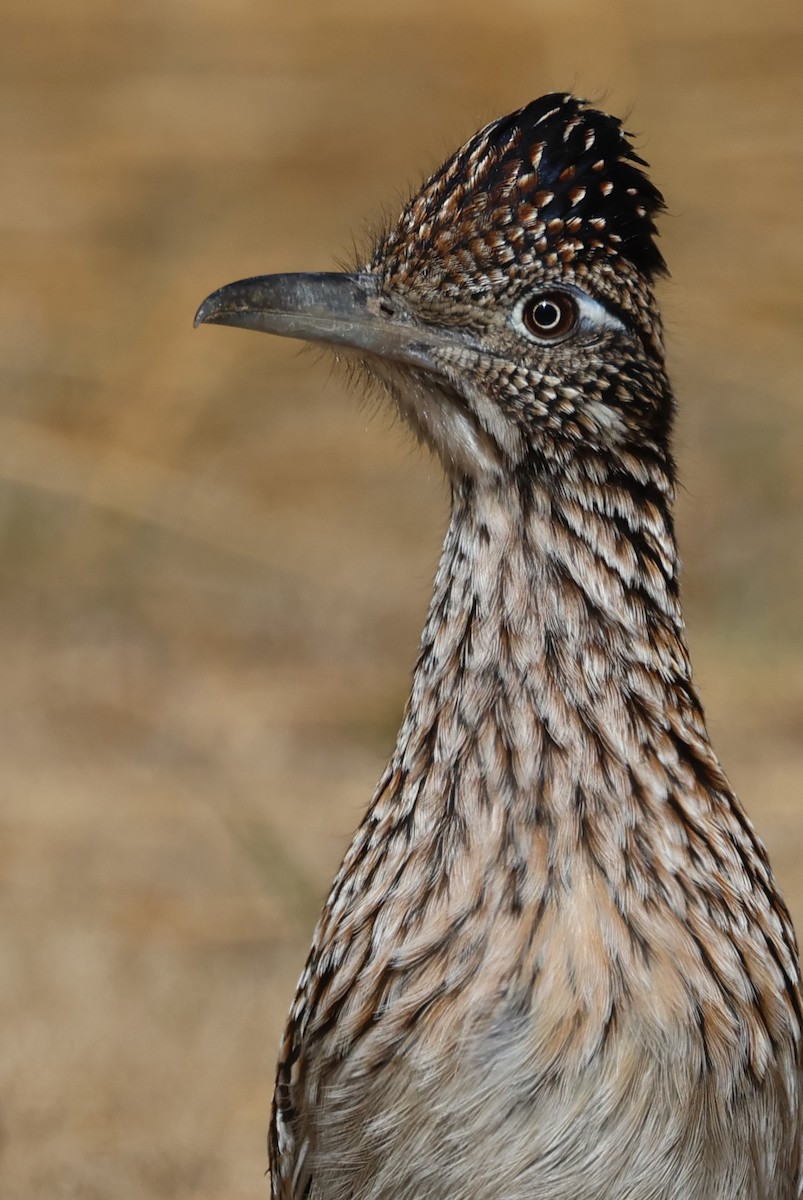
215 563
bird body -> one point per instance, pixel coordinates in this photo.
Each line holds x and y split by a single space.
554 963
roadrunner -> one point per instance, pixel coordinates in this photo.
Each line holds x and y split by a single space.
554 964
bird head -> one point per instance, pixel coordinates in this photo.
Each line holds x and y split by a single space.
510 310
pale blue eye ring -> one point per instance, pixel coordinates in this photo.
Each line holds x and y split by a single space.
553 314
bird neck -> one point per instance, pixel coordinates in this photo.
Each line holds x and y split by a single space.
553 651
553 776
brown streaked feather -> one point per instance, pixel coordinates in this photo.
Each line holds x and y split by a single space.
554 964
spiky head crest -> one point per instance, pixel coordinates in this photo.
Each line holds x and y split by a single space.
554 188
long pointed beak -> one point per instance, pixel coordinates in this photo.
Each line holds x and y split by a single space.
335 308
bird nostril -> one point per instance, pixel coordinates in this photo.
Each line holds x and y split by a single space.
387 309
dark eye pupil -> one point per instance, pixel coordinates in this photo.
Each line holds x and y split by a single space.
546 314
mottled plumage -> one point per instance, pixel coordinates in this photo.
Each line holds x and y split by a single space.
554 964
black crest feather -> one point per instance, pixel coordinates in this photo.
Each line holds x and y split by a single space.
557 174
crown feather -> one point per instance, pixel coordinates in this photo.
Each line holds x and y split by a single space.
557 177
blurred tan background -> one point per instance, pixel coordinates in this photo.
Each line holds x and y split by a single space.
215 562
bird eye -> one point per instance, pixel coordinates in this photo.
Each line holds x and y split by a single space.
550 314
